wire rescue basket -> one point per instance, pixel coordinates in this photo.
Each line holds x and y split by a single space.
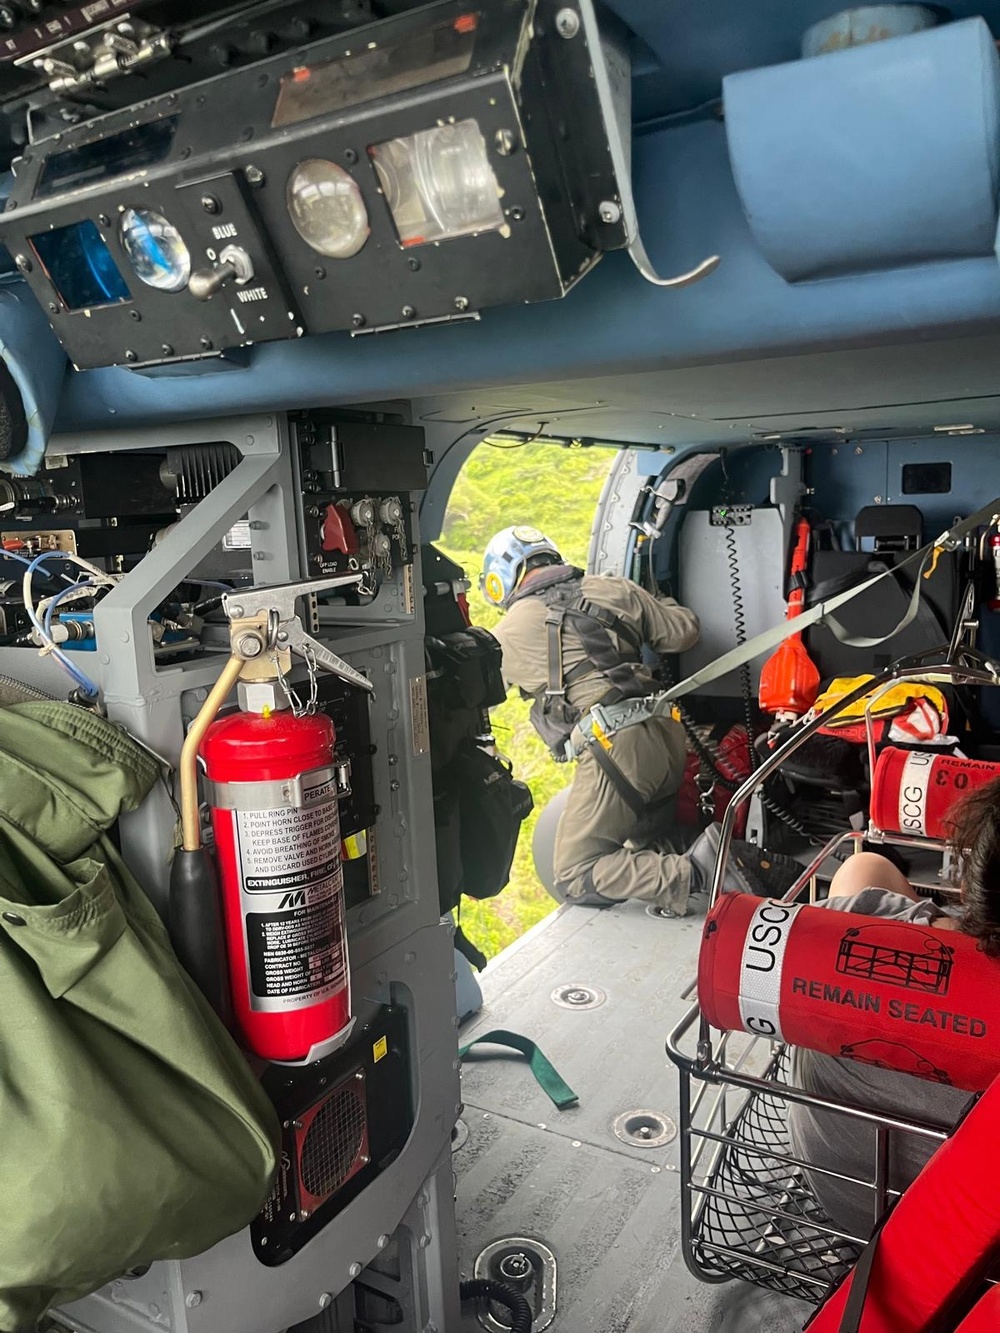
749 1205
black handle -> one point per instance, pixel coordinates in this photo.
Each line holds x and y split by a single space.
195 925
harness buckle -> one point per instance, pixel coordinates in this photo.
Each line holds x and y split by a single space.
599 720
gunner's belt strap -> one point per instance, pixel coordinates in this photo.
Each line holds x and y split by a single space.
635 801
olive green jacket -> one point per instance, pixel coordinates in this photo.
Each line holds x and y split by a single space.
131 1126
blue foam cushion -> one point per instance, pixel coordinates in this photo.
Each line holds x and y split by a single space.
871 158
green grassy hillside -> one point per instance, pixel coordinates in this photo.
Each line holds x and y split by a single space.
555 489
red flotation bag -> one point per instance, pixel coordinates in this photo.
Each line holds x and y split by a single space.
938 1243
889 993
913 791
985 1316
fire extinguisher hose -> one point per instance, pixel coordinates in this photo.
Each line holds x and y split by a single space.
194 917
485 1290
188 770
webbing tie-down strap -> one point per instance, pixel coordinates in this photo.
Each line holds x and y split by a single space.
559 1092
860 1279
823 611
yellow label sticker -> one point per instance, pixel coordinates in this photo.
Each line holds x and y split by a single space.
380 1049
355 846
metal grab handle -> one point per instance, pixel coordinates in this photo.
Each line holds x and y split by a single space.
637 253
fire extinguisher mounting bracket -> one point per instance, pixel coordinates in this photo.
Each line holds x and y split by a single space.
274 607
276 794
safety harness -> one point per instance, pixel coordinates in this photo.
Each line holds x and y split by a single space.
629 697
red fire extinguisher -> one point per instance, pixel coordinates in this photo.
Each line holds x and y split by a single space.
277 899
277 836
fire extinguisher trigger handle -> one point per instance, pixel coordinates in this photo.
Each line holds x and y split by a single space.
305 646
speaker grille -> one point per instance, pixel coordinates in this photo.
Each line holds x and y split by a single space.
333 1144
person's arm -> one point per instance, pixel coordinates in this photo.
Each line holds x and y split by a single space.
667 626
513 667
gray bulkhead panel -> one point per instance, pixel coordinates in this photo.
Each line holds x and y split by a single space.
400 949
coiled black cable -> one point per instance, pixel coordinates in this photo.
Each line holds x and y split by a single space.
710 756
740 626
707 753
746 691
484 1290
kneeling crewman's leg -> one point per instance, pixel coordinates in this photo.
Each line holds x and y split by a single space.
593 866
592 863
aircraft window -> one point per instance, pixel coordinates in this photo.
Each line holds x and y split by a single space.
926 478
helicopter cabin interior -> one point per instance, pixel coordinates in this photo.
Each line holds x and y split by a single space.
269 271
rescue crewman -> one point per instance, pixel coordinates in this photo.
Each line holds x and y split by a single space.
572 641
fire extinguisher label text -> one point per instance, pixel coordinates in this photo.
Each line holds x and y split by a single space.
292 892
297 953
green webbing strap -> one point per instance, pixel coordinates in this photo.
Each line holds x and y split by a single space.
770 638
545 1074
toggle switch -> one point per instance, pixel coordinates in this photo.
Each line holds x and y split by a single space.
234 265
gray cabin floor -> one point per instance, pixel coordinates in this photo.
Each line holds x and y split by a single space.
609 1211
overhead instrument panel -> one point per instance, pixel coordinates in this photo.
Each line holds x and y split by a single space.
87 48
414 170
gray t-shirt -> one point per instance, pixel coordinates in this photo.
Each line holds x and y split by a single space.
841 1144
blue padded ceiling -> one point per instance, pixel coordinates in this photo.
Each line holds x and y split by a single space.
690 46
743 350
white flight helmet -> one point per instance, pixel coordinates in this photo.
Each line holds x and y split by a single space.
506 559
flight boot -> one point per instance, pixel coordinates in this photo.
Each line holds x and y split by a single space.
749 869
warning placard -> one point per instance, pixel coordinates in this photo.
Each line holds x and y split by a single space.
292 890
297 952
